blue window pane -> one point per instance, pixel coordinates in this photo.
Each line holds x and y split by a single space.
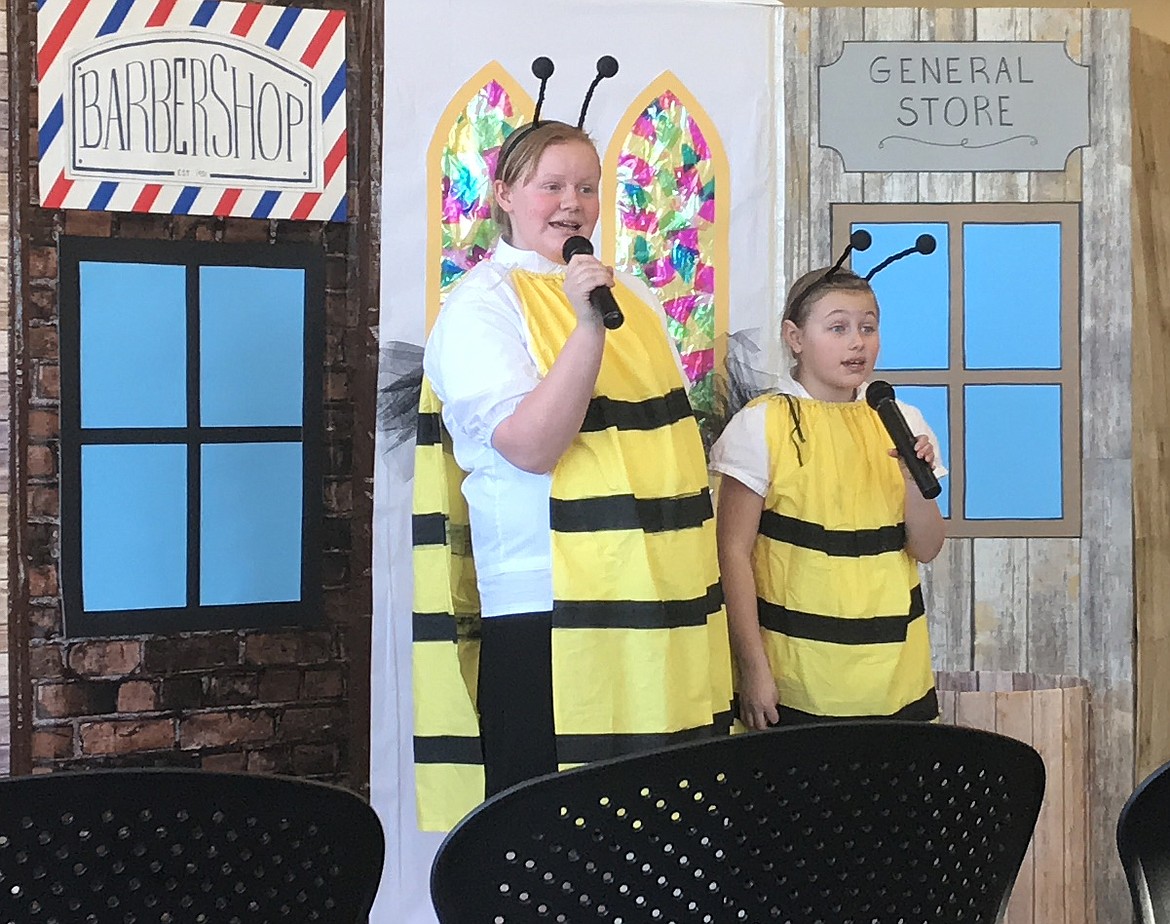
1013 452
914 295
133 345
252 346
133 527
1011 294
933 401
251 523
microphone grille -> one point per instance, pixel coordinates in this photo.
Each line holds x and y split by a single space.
925 244
576 245
877 392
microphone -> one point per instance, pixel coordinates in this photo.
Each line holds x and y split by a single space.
600 298
880 396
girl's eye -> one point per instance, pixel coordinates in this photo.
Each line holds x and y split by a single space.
838 328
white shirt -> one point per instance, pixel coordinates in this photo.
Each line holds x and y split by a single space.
479 360
742 449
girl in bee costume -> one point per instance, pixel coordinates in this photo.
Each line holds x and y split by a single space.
821 531
567 598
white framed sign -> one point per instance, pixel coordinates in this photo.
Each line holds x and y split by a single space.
193 108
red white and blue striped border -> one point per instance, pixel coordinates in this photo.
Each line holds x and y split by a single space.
313 38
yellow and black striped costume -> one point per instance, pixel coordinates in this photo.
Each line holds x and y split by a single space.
639 639
839 597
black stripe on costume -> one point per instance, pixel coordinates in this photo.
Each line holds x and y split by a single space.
581 749
637 614
845 543
447 749
870 630
624 511
650 414
428 529
430 430
921 710
433 627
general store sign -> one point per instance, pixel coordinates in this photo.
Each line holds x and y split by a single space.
962 106
192 107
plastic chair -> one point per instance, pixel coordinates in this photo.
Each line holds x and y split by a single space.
154 846
845 823
1143 841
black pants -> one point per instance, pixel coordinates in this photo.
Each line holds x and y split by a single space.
515 699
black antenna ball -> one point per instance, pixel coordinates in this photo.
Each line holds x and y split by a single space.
925 244
860 239
607 65
542 68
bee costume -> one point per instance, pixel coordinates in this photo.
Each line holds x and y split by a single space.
840 605
639 648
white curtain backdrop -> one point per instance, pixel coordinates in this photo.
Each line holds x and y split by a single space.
723 51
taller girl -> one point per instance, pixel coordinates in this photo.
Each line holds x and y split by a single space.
603 630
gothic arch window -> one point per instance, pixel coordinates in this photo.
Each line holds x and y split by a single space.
669 220
460 164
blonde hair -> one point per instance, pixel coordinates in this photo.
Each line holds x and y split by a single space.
813 286
519 161
806 292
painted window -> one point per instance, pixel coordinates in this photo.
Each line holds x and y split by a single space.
190 443
982 336
670 223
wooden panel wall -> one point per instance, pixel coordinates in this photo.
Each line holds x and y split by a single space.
1151 410
1051 606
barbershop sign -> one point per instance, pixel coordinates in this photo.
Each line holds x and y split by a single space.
913 106
192 107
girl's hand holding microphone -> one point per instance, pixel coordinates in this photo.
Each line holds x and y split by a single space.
583 274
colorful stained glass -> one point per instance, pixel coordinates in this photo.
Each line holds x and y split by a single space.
468 162
666 229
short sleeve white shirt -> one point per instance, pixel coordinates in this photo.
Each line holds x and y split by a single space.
742 449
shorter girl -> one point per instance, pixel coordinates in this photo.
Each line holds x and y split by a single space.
820 529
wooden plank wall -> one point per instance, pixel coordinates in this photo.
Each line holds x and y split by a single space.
1050 606
1151 410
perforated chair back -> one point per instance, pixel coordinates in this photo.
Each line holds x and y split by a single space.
850 823
1143 841
184 846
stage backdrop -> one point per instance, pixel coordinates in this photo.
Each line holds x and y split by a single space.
689 148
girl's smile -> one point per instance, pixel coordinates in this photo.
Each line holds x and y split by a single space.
558 201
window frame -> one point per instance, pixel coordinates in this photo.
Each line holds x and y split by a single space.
308 610
956 377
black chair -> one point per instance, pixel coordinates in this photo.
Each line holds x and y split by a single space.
1143 841
843 823
153 846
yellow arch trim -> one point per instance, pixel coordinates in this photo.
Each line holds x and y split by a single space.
455 108
722 170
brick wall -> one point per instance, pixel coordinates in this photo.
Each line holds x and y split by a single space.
289 701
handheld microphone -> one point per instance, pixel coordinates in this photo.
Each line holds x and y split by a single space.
880 396
600 298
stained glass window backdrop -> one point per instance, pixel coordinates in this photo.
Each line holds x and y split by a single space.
485 111
667 228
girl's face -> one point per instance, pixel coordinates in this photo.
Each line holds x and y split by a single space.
558 201
838 345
